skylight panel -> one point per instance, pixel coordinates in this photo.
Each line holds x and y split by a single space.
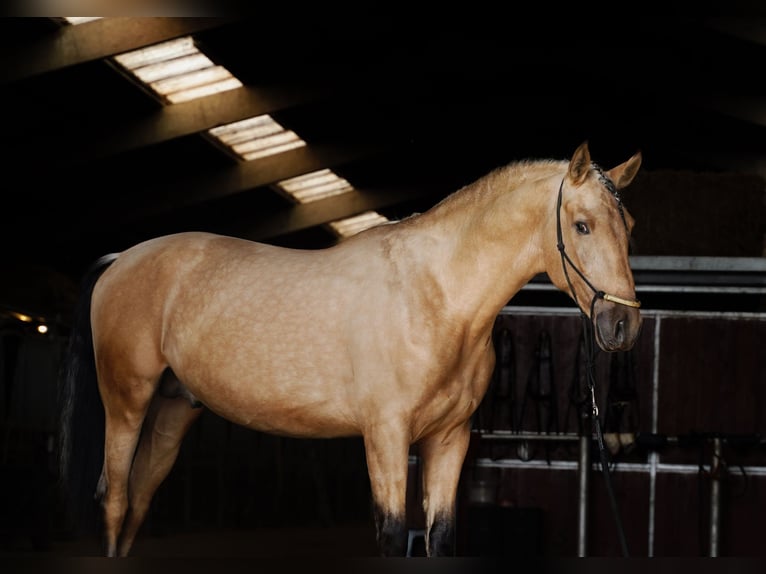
256 137
314 186
344 228
158 53
173 68
176 71
75 20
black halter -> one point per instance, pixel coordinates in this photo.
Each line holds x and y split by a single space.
565 259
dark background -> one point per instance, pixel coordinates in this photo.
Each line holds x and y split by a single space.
408 107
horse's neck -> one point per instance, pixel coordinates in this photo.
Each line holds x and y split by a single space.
491 236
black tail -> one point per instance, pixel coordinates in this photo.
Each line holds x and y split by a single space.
81 426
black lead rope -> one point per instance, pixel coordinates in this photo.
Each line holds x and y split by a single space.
590 347
590 360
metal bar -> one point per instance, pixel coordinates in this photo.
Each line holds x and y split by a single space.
728 290
570 465
539 311
654 457
525 436
583 471
674 288
696 263
653 460
715 497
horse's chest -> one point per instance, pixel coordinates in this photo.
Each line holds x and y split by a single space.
455 393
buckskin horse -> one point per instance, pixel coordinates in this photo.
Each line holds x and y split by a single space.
385 335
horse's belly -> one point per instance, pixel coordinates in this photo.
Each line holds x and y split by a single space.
267 370
283 403
275 417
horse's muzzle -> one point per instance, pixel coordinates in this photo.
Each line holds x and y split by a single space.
616 326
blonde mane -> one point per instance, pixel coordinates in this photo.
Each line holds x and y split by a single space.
503 179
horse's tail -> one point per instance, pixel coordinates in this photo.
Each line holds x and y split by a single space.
81 423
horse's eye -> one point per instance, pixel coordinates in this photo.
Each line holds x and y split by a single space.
582 228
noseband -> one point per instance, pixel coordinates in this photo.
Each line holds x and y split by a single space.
565 259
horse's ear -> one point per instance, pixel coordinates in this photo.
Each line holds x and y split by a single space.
624 173
579 165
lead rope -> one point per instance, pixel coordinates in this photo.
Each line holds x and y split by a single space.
590 347
590 359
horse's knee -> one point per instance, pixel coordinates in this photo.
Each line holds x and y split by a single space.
441 535
391 532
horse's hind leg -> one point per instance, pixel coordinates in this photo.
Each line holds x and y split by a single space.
443 455
125 404
387 463
166 423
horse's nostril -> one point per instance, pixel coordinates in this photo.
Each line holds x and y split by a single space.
619 330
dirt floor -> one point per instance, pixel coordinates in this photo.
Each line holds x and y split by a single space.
342 542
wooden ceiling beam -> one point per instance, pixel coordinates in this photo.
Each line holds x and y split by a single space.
174 121
748 29
751 109
164 198
307 215
73 45
746 109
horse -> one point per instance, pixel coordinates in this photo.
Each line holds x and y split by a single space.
386 335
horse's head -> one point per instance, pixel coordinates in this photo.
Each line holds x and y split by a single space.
591 260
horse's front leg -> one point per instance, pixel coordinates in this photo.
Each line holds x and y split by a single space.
443 455
387 451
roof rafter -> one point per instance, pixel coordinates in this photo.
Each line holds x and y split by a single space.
240 178
109 138
73 45
306 215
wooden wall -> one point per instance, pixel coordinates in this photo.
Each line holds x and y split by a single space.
690 378
684 213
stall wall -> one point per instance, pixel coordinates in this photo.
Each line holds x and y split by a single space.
691 378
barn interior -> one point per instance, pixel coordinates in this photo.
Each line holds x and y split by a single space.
402 110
